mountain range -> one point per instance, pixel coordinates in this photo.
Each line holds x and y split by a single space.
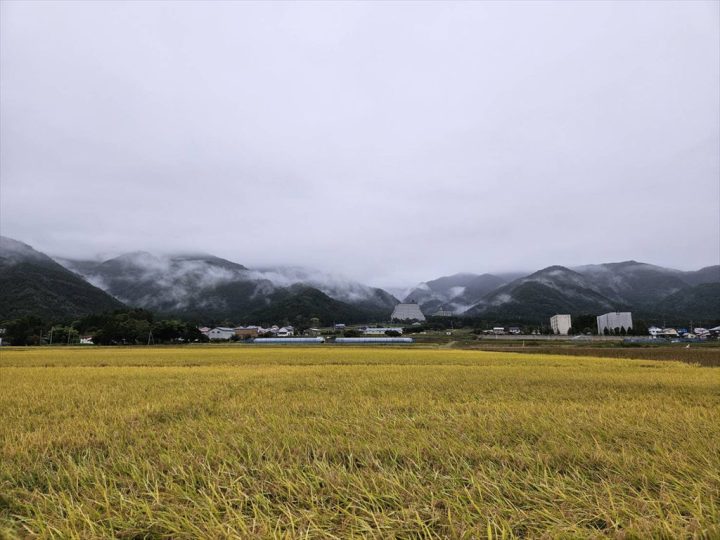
203 286
209 288
653 292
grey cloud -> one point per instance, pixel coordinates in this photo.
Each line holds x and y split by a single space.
390 142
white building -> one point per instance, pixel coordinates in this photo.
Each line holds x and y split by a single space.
614 321
221 332
561 324
407 312
285 331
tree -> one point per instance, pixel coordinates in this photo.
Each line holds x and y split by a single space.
62 335
24 331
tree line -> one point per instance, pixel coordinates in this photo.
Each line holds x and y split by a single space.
121 327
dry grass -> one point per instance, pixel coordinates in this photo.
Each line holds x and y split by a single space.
218 442
703 355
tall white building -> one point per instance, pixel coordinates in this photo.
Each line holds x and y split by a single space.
407 312
614 320
560 324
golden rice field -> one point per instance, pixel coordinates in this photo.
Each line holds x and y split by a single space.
331 442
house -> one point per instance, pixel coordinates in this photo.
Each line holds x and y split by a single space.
498 330
561 324
655 331
86 340
339 326
514 330
221 333
285 331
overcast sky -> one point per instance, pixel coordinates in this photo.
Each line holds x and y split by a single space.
390 142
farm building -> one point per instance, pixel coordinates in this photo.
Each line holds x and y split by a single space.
221 332
561 324
615 320
407 312
381 331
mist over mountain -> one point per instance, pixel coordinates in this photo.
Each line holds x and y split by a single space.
455 293
206 287
633 283
699 302
648 290
351 292
540 295
203 285
709 274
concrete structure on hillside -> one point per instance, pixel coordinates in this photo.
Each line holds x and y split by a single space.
561 324
442 312
614 322
407 312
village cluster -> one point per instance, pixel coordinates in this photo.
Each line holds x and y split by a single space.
608 324
274 334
